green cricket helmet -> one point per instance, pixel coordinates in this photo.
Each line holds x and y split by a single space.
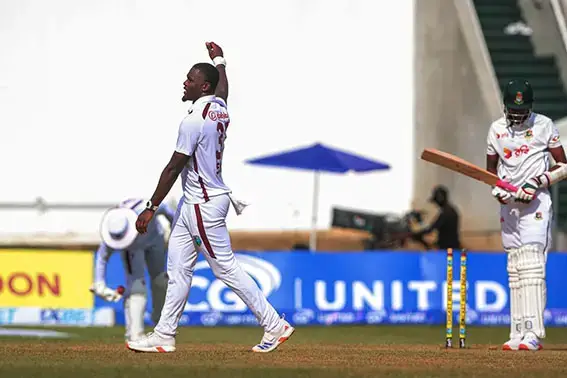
518 101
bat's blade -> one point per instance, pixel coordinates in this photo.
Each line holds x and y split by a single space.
464 167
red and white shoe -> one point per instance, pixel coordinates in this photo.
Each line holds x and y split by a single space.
274 339
512 344
152 343
530 342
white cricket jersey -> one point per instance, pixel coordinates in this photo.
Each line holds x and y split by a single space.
201 136
523 151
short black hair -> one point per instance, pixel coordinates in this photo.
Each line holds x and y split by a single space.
211 73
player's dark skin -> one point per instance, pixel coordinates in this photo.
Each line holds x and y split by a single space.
195 87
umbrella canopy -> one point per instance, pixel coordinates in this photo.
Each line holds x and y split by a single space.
319 158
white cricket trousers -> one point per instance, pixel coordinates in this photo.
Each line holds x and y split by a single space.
527 223
202 228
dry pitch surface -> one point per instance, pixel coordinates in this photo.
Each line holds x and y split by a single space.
365 351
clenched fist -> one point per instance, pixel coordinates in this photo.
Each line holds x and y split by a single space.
214 50
501 195
527 192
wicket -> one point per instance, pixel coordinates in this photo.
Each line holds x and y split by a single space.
463 300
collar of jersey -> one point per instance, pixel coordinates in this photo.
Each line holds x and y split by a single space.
201 100
528 124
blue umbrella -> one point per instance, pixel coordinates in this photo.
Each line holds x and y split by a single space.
319 158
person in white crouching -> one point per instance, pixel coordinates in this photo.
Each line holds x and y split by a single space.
118 233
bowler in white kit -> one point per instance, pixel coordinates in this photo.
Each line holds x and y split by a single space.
200 221
519 149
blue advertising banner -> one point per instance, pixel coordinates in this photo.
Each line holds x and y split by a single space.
371 287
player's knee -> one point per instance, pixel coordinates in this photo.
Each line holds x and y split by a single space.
531 262
219 273
530 252
179 272
162 276
512 260
227 272
138 287
160 281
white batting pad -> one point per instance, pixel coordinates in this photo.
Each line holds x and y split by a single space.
137 306
516 310
531 268
134 308
126 307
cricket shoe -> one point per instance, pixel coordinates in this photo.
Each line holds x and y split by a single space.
152 343
530 342
274 339
512 344
127 339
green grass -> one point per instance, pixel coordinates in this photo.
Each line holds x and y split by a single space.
338 351
369 335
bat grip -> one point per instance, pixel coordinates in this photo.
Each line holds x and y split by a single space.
506 186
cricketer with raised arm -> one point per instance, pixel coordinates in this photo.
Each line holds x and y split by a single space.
200 221
519 147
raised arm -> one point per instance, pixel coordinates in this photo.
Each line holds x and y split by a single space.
217 55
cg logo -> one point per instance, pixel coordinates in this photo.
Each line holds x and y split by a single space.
218 297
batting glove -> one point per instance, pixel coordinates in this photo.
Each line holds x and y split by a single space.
501 195
527 192
106 293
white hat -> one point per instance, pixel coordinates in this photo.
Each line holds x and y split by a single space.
118 227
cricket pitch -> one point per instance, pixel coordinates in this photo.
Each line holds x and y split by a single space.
341 351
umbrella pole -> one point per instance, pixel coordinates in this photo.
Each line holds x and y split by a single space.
313 236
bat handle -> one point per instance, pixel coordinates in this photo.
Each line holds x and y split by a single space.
506 186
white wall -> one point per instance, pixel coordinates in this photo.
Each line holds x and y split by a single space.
451 113
90 101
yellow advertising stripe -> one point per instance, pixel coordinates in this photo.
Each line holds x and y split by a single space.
46 278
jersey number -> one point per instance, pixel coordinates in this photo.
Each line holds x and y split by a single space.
221 130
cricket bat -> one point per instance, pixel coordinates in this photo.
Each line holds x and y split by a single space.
464 167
